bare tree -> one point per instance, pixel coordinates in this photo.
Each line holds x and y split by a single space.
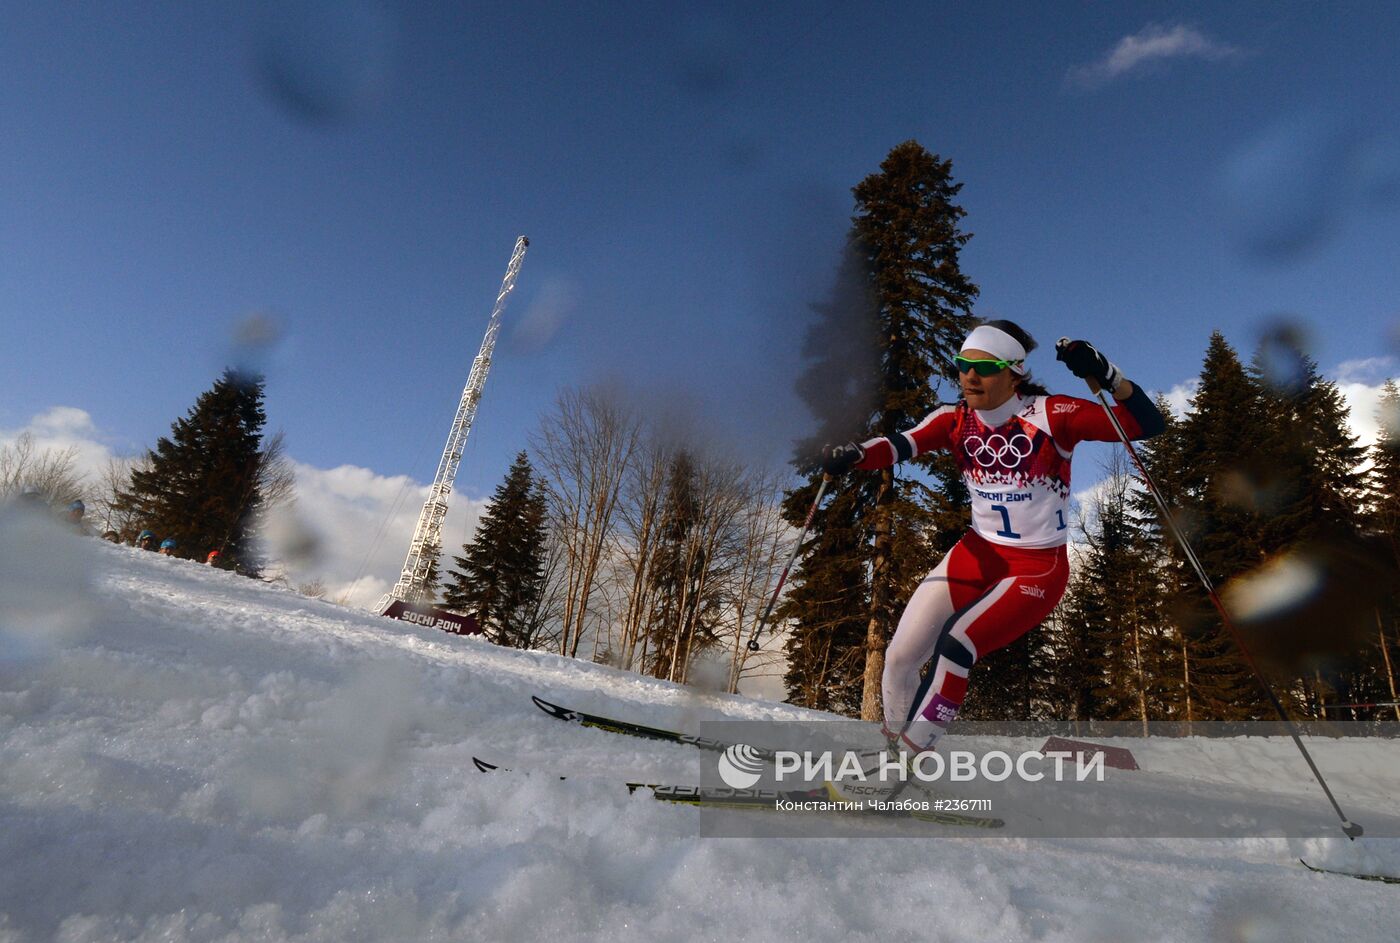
583 448
608 478
683 582
765 540
692 562
115 479
640 516
52 473
714 549
542 625
276 479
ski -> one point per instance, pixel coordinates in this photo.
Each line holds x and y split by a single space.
1383 878
612 725
766 799
627 728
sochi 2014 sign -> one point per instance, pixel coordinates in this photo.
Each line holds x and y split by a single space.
433 618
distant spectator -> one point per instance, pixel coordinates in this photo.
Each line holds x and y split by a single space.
168 546
146 540
74 518
213 558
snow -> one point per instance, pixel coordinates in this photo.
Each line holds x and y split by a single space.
187 755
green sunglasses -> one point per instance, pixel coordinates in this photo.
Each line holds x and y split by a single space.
983 368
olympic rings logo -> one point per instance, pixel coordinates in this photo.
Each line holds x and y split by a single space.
994 449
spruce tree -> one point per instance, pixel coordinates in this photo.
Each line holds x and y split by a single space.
1127 642
1215 469
828 593
426 594
672 569
499 577
201 486
1383 481
1316 490
1173 580
1313 482
1382 518
915 305
826 603
1015 683
1076 668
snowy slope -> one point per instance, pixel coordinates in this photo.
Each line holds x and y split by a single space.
189 755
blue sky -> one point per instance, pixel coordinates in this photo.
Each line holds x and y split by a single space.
1136 174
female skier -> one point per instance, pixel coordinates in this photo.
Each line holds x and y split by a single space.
1013 445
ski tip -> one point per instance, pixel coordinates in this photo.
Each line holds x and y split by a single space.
553 710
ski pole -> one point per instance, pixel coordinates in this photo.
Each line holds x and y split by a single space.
1349 828
753 637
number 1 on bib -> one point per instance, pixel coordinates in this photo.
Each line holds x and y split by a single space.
1006 530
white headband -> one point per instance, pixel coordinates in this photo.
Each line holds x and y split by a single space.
999 344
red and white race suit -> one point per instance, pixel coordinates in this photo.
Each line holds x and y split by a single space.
1006 574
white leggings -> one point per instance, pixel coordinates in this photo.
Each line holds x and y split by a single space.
979 598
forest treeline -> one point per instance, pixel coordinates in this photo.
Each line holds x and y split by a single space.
613 539
655 558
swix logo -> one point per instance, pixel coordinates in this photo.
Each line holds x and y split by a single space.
1029 590
1065 407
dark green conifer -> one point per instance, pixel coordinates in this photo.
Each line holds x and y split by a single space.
910 305
1382 520
686 603
826 601
499 577
1216 468
202 485
1383 481
1128 640
1015 683
1313 483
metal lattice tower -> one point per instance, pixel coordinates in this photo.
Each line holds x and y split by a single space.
427 536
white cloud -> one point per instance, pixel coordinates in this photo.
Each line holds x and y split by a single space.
60 428
1364 401
62 421
1152 44
1366 370
347 522
358 524
1179 396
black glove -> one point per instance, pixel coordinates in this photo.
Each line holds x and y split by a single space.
839 459
1085 362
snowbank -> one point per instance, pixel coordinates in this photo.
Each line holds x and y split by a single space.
189 755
